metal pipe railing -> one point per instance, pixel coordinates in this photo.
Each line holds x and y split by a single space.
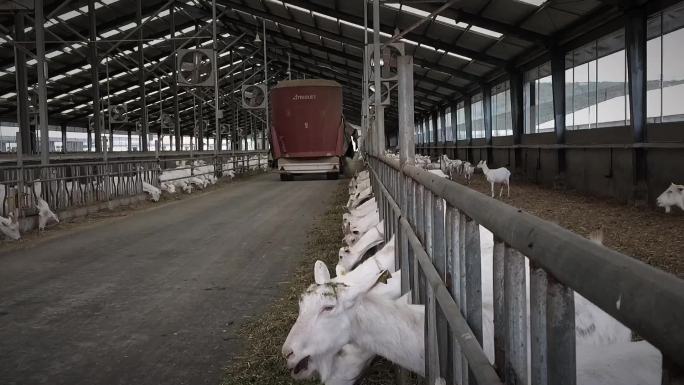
439 254
75 184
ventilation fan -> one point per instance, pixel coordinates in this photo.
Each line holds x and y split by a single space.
166 121
225 128
388 61
384 97
91 122
118 113
195 67
254 96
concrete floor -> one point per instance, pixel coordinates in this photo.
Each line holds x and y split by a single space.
155 297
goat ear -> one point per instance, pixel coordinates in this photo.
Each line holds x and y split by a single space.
350 294
321 273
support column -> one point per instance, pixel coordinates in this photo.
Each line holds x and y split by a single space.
130 142
64 138
379 108
435 132
94 74
469 126
42 88
89 139
407 146
487 119
635 42
141 79
558 87
517 111
22 87
454 128
174 83
200 123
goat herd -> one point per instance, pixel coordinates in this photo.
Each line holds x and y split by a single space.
451 168
673 196
346 320
185 177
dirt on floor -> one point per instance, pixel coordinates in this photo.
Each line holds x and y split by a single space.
261 361
644 233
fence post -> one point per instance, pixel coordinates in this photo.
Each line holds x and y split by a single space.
538 347
499 310
473 282
560 336
515 292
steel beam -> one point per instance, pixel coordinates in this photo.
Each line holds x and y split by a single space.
558 88
517 111
407 148
487 112
22 86
635 42
174 75
141 78
94 74
41 68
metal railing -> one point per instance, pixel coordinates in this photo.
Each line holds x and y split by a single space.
436 223
76 184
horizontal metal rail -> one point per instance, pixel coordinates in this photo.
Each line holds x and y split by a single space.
438 243
625 146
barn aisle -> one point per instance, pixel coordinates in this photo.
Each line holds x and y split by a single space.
155 297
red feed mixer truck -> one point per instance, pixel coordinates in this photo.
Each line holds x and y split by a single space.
308 131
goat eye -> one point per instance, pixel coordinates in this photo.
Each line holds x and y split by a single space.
327 308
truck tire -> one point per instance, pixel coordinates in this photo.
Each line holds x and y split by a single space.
332 175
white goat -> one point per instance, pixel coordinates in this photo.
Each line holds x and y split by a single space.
10 227
154 192
45 215
332 315
360 197
359 212
673 196
352 255
468 171
498 175
359 227
451 167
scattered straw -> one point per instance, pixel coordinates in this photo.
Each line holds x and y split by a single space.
261 362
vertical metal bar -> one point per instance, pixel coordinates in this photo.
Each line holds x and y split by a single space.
560 333
439 260
473 281
266 110
64 138
407 149
558 91
499 310
22 85
108 111
420 212
174 74
427 223
41 68
538 347
432 351
379 108
516 317
141 79
454 256
214 65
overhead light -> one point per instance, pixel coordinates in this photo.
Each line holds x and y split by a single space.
257 39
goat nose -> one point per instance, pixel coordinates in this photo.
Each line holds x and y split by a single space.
287 353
